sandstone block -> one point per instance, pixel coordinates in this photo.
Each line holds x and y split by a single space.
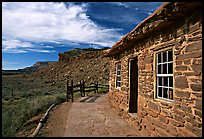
177 52
198 113
196 46
163 119
182 94
155 134
179 118
179 112
181 82
186 109
163 133
198 103
175 123
181 68
187 62
189 55
196 80
197 94
160 124
183 132
197 67
171 129
148 124
194 122
190 115
142 101
148 67
191 73
197 61
152 113
177 73
148 60
144 132
166 112
196 87
150 119
154 106
189 126
197 131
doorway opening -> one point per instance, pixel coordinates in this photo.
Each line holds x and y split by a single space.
133 103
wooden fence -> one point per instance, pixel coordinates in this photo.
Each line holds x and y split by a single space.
80 87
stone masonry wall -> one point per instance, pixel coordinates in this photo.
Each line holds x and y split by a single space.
183 116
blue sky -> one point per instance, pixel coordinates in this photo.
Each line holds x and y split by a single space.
38 31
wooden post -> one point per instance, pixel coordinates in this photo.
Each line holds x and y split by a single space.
12 93
81 91
83 88
67 98
97 86
72 84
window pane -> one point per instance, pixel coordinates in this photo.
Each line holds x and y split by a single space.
164 68
171 94
165 81
118 72
170 68
118 84
160 92
164 57
165 95
118 78
159 69
171 81
159 57
160 81
170 55
119 66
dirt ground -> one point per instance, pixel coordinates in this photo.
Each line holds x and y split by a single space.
56 122
88 116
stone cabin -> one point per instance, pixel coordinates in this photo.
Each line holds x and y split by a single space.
156 72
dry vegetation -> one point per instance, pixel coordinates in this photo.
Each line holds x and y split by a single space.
25 97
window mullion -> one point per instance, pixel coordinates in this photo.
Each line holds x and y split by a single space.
168 88
167 62
157 63
162 87
162 62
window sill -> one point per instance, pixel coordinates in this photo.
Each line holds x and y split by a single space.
133 115
118 88
164 102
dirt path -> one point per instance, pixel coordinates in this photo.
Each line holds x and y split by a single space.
89 116
56 121
94 117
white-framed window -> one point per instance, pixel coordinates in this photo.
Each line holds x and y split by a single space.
164 75
118 76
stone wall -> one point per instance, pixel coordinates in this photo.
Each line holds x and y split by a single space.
183 116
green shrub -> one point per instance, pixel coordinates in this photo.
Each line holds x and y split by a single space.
103 90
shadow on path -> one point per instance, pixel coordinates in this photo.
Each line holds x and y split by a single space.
89 99
92 98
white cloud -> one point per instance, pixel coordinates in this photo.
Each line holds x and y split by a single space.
10 63
46 22
41 50
120 4
17 46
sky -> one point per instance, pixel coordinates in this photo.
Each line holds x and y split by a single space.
38 31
